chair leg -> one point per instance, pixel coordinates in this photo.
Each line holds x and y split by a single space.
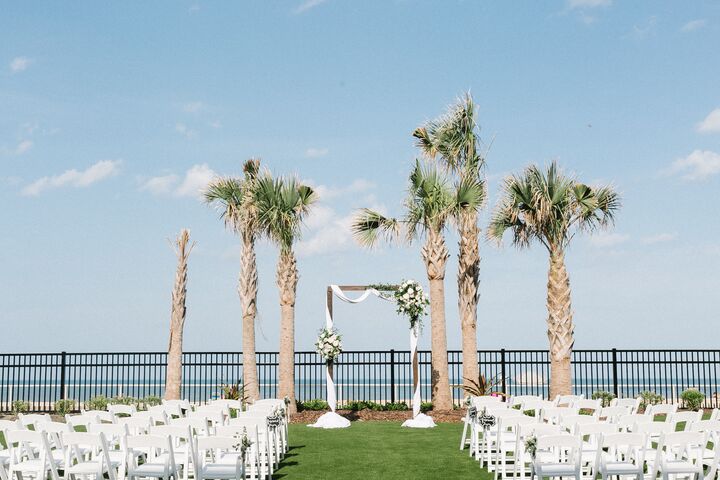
462 439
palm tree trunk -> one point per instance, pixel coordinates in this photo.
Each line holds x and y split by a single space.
468 278
435 255
173 379
560 325
287 279
247 289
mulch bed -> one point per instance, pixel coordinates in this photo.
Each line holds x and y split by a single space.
310 416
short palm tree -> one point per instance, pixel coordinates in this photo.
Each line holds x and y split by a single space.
234 198
173 378
549 207
453 139
282 204
431 203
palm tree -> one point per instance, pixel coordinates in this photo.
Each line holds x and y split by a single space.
549 207
234 198
453 138
173 379
282 204
431 203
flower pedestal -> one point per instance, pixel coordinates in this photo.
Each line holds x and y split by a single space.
330 419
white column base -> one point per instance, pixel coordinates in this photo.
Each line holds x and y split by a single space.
420 421
331 420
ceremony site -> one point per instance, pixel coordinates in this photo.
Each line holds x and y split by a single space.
345 239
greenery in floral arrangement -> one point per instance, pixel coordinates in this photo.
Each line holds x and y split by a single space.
63 407
315 404
384 287
411 301
99 402
531 446
328 344
648 398
20 406
693 399
426 407
604 397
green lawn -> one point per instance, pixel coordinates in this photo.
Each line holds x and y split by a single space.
378 450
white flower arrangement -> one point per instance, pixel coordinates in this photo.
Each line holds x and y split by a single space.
411 301
329 344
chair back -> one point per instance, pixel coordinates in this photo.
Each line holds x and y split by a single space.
627 422
198 424
567 400
28 419
120 409
554 414
612 414
569 422
632 403
688 418
661 409
136 425
82 420
102 415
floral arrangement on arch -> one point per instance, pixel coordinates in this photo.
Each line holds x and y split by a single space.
329 344
411 301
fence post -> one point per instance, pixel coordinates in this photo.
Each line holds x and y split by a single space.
615 374
392 375
502 371
62 374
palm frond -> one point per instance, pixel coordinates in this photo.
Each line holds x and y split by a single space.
368 225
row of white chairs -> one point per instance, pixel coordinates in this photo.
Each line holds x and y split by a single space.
199 444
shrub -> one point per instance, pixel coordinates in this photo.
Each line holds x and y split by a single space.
123 401
604 397
315 404
151 401
648 398
358 405
397 406
63 407
426 407
97 403
20 406
693 399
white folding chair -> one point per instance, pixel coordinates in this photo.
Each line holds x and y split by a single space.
506 443
102 415
114 434
558 456
80 463
30 455
270 449
118 409
5 426
624 456
81 421
159 457
553 414
569 422
714 462
680 453
155 418
33 419
594 406
259 458
181 438
164 412
612 414
567 400
632 403
213 415
684 417
626 423
523 462
666 409
483 441
652 431
715 414
479 403
217 458
590 434
136 425
182 405
228 403
198 425
55 432
518 400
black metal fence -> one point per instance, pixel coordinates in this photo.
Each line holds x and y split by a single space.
380 376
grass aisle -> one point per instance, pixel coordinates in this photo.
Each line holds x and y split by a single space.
378 450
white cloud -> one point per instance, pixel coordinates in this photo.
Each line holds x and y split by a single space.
307 5
643 30
216 124
195 181
23 147
160 185
74 178
358 186
659 238
699 165
711 124
183 130
608 239
316 152
332 236
20 64
193 107
693 25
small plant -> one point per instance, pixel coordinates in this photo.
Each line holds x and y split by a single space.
99 402
123 401
693 399
426 407
397 406
482 386
20 406
604 397
235 392
315 405
63 407
648 398
151 401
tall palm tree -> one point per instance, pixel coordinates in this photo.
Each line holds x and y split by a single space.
282 204
173 379
431 203
234 198
549 207
453 139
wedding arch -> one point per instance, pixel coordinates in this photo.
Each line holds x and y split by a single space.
332 419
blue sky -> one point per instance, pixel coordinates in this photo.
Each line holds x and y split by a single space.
114 115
